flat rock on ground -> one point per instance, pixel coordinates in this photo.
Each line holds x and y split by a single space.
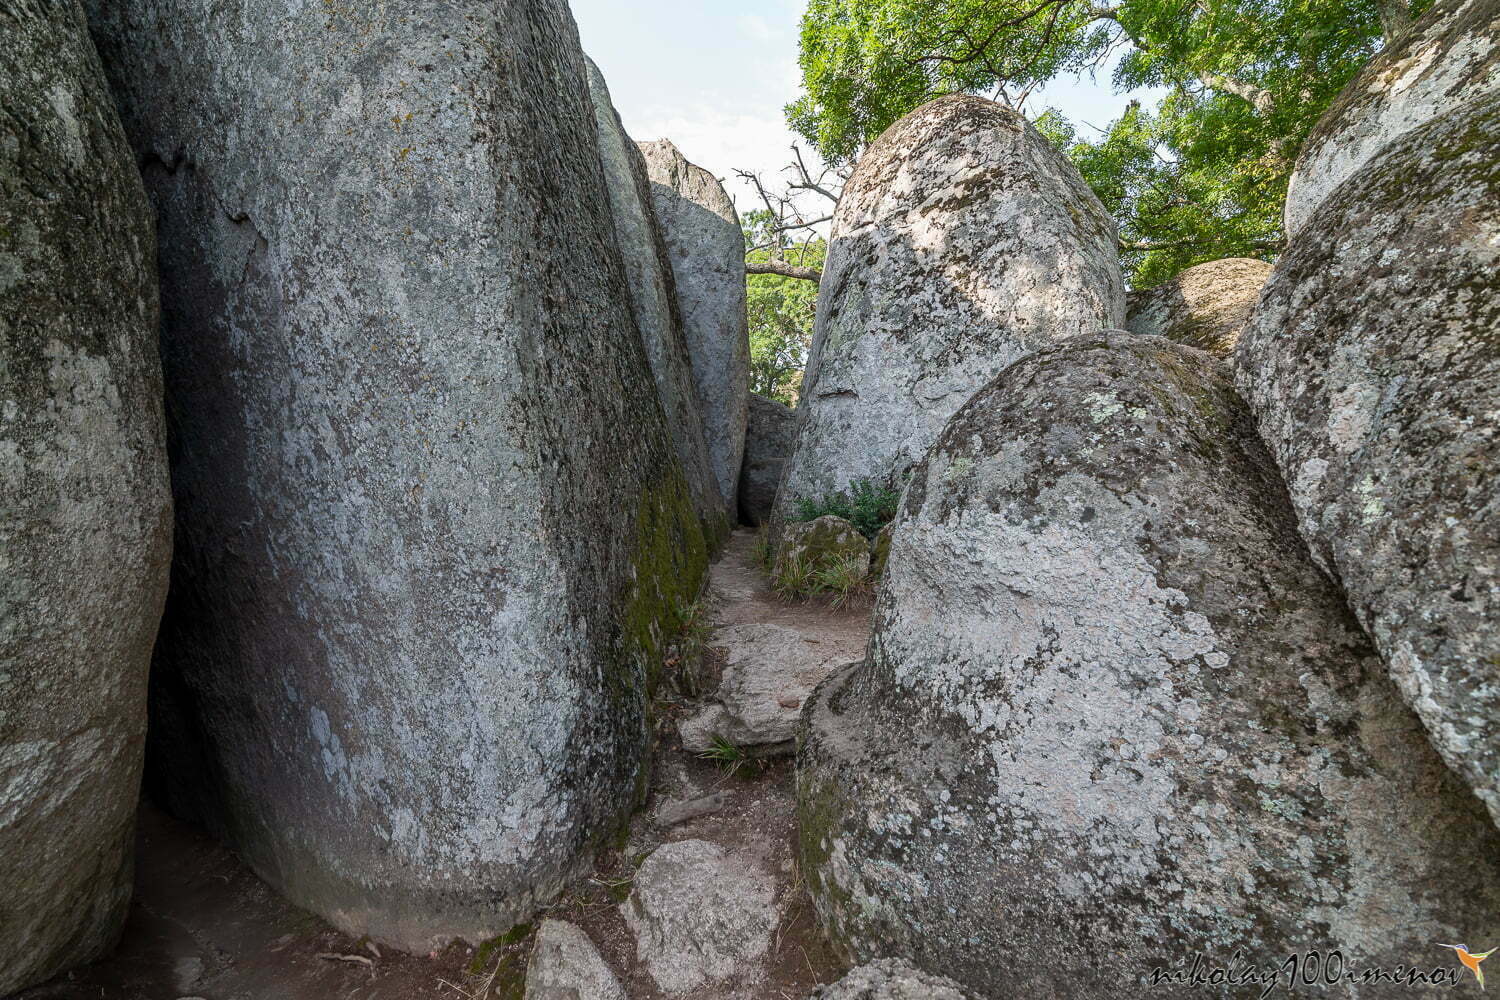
769 671
890 979
565 965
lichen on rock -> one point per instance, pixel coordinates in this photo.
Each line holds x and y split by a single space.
962 241
1448 58
85 506
822 542
1204 306
431 518
1372 367
1112 715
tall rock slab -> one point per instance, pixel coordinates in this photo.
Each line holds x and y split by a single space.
429 515
85 508
1373 367
1451 56
1205 306
962 242
707 250
770 437
653 302
1112 716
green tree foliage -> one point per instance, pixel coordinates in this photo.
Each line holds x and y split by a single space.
1200 177
781 309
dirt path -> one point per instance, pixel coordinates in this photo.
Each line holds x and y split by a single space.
203 926
756 823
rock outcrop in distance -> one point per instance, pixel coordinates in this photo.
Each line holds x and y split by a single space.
770 436
1372 366
707 250
85 506
1451 56
962 242
430 518
1205 306
1112 715
653 302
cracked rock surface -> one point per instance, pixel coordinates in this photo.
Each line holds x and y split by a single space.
769 671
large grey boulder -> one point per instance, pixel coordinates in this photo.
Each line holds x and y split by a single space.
429 515
565 965
1112 716
962 242
769 672
1373 370
707 250
889 979
1451 56
770 436
700 915
85 507
1204 307
653 302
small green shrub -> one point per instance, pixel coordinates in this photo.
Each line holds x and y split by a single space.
865 505
794 579
847 580
691 628
726 755
762 553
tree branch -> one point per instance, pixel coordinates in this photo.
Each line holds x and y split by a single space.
1261 99
784 269
808 184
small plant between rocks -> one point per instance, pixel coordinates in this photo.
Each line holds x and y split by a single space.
729 757
685 652
864 504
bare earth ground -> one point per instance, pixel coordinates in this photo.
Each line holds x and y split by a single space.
203 927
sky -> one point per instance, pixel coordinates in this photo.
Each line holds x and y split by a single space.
714 75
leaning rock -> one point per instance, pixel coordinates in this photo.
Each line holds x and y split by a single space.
770 436
1449 58
699 915
1371 365
890 979
1204 307
1112 715
770 671
823 541
429 515
565 965
653 301
85 507
707 249
962 242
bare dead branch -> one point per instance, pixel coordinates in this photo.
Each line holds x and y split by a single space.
784 269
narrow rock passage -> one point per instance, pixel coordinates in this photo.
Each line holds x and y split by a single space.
746 812
202 925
